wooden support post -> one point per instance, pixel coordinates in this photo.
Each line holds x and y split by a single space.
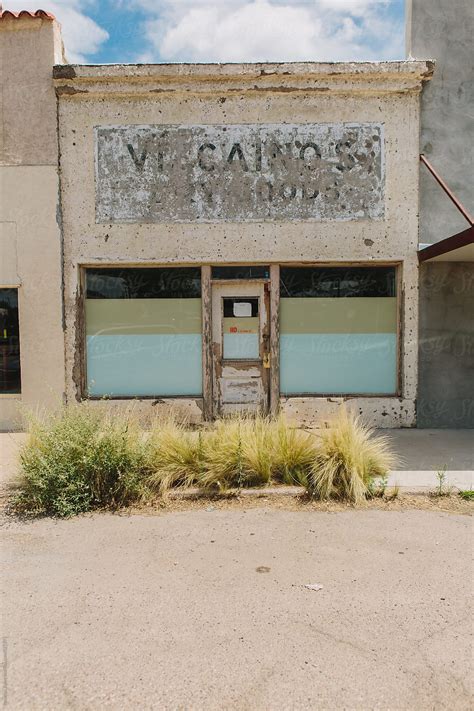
275 339
79 372
206 342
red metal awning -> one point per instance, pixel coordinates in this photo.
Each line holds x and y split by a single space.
458 247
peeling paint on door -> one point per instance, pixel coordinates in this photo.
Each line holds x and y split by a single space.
240 382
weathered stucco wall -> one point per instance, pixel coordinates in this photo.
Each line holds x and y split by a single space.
385 94
443 30
30 255
446 386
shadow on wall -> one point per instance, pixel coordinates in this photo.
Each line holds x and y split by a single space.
446 356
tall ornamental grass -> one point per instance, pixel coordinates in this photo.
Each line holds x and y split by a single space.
237 452
174 456
349 457
84 458
293 453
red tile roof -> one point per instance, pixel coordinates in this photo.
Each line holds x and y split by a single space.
9 14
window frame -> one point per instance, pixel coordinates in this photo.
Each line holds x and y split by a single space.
18 393
398 266
80 358
82 336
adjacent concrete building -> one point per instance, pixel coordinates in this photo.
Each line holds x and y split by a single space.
31 314
445 31
210 238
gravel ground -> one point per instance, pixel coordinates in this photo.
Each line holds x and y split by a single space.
179 500
203 605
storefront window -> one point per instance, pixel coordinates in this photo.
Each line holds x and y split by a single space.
143 330
10 381
338 330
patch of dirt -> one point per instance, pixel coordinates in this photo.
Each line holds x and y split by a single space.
404 502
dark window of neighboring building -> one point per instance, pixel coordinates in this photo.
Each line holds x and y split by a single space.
10 380
338 329
143 332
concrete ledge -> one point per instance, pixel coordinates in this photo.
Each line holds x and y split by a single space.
409 482
422 481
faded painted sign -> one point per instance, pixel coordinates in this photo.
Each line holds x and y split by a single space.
239 172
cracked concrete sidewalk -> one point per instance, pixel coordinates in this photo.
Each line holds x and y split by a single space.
209 610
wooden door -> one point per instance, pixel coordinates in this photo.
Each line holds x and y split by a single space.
240 347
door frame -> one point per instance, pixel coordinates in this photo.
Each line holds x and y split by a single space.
240 289
273 289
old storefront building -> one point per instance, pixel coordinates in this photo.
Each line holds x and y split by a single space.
214 237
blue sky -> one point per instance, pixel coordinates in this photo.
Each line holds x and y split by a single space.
107 31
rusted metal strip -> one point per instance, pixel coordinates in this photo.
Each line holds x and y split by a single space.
274 338
206 342
448 192
461 239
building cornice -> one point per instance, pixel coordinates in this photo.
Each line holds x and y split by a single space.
372 78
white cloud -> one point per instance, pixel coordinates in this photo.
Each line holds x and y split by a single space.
82 36
354 7
233 30
250 32
270 30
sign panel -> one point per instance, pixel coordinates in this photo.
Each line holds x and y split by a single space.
249 172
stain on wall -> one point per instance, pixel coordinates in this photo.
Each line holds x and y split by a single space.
162 173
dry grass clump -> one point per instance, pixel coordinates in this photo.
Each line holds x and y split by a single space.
174 455
348 458
293 453
237 452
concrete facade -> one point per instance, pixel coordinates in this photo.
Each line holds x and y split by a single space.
445 31
82 161
30 257
228 95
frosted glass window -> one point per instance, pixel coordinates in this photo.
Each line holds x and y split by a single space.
241 326
143 331
338 330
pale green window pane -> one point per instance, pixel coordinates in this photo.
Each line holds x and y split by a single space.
338 345
339 315
144 347
135 316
